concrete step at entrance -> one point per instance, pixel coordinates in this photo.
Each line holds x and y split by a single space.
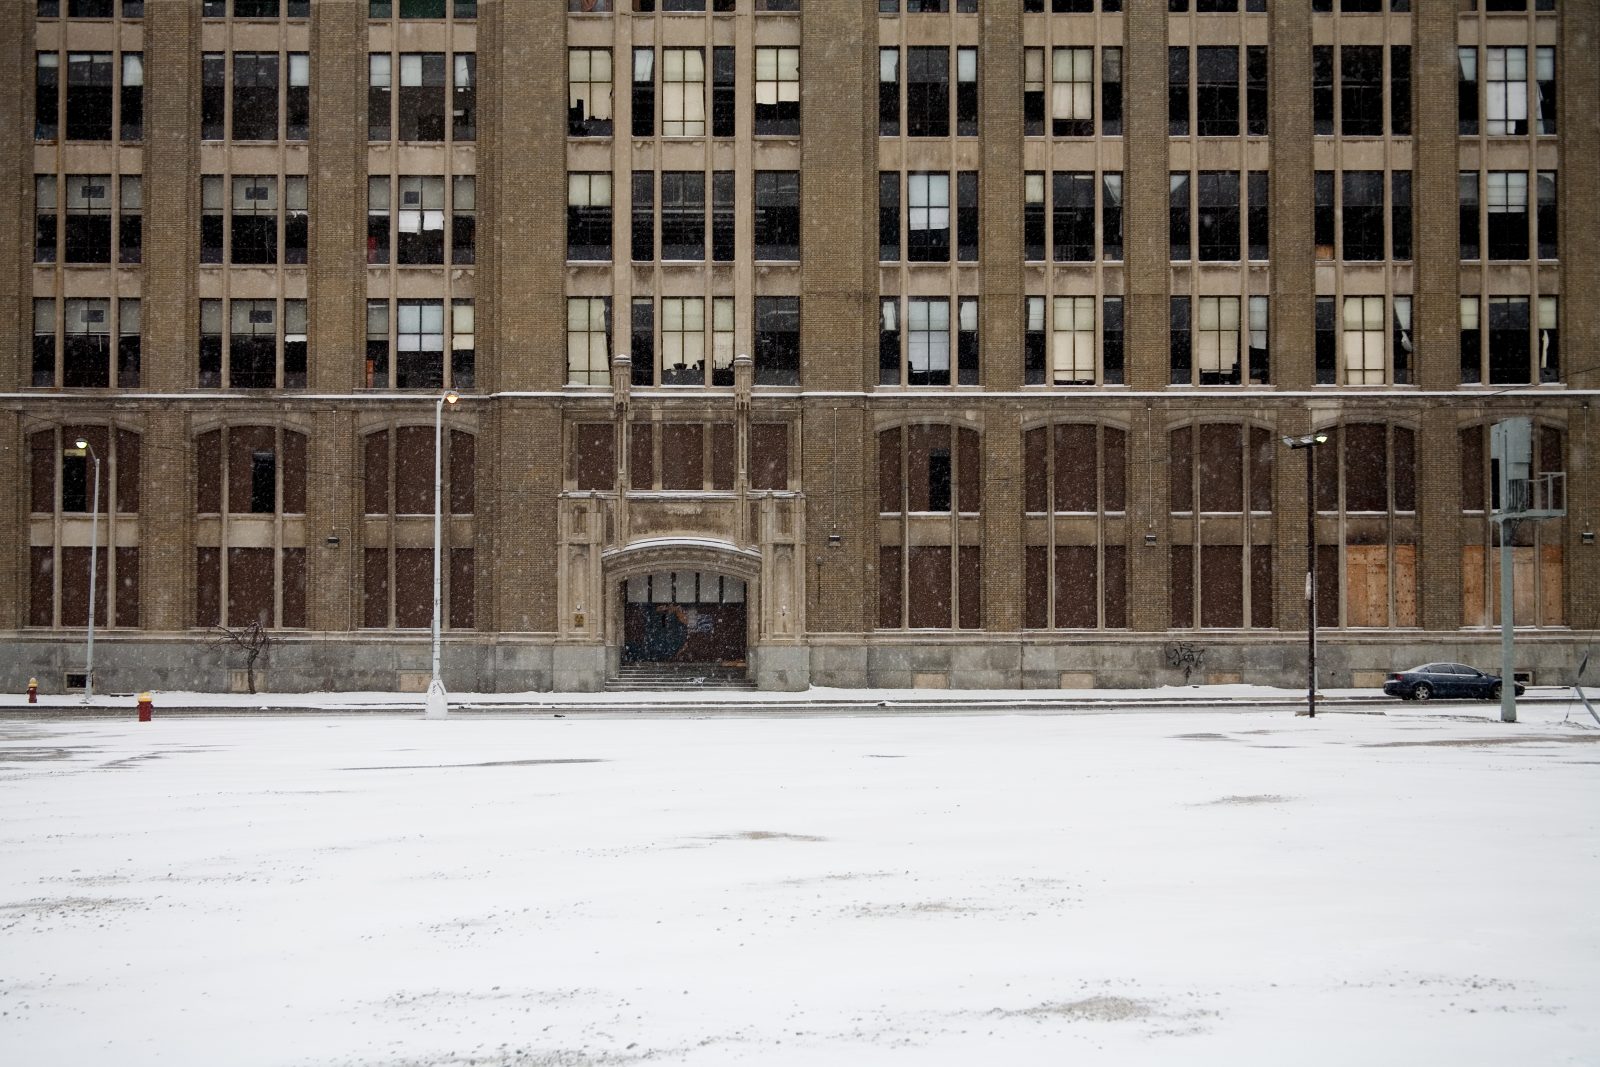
675 676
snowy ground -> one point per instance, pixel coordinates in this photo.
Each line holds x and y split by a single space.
1201 888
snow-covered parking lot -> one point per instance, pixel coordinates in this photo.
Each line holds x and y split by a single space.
1200 888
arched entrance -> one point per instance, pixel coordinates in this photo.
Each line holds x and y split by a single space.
685 617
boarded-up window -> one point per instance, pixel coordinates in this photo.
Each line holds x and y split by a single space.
294 587
1536 585
1115 468
1405 471
642 456
1180 482
1219 462
1181 584
889 578
1327 585
41 585
1077 587
375 588
250 586
769 455
1035 587
1115 583
1472 468
463 591
890 484
969 587
928 587
463 473
682 456
594 456
413 587
1366 585
969 471
43 471
1035 472
928 468
1552 458
208 587
1366 467
294 473
126 600
127 456
376 481
1077 464
208 472
724 455
1261 453
413 470
1222 586
1261 585
75 587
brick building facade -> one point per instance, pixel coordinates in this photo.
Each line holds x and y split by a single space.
860 342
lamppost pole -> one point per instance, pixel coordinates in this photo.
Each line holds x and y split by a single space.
1309 444
437 704
94 552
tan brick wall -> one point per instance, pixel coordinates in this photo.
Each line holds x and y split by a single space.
16 171
171 194
1294 284
1144 77
338 273
522 195
1438 248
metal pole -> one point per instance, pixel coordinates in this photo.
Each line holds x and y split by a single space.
94 553
436 706
1508 680
1311 580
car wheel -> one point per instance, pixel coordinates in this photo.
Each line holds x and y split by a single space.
1494 692
1423 691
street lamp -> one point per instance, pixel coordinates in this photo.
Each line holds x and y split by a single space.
1309 443
437 706
83 446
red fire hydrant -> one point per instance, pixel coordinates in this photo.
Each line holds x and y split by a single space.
33 690
145 707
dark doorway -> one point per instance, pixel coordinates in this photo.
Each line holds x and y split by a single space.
684 617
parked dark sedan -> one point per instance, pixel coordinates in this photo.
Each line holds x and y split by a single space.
1445 680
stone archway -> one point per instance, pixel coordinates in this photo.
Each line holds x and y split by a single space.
682 601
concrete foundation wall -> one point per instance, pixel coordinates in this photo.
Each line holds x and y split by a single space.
130 664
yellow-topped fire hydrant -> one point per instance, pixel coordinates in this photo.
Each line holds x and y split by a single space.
145 707
33 690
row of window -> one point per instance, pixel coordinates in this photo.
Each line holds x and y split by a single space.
650 7
261 9
683 230
1368 468
1367 482
922 341
1500 98
678 456
669 96
1354 104
99 220
103 98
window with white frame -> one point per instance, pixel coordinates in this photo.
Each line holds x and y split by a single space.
1072 92
589 340
1362 340
589 112
254 344
406 345
928 217
777 106
683 92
